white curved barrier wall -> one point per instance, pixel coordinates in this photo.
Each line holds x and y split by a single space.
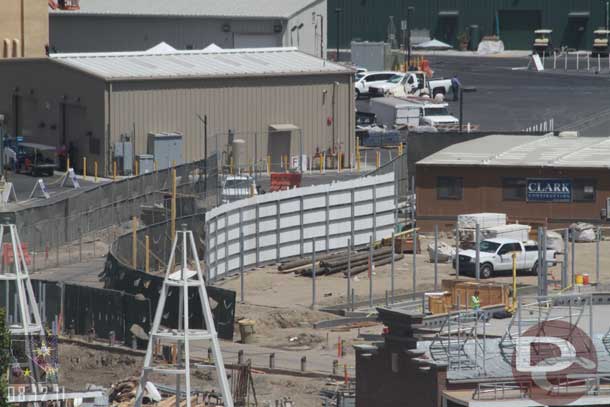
280 225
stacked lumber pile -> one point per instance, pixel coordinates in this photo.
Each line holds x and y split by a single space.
337 263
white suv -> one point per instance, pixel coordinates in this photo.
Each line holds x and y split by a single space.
366 79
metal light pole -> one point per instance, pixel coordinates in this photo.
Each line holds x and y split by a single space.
410 9
462 91
338 11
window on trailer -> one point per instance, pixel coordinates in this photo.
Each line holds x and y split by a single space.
583 190
513 189
449 187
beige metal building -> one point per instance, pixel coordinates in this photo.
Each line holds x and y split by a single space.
88 101
136 25
24 28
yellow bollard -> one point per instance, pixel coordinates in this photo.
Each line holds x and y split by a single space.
68 164
269 165
358 162
321 162
147 261
134 243
252 190
84 168
378 159
114 170
137 165
95 170
156 166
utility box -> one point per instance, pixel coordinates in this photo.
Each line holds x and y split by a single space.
146 163
123 154
166 148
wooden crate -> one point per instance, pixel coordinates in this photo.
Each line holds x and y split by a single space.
405 245
489 293
440 304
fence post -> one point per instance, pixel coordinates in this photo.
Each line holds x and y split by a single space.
573 255
392 268
349 269
134 243
414 261
598 232
566 256
241 268
95 170
147 260
80 245
457 249
477 264
371 267
313 273
435 258
85 168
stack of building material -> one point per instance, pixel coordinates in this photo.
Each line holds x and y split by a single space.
582 232
337 263
514 231
484 220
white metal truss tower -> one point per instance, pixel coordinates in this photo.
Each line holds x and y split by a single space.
183 277
26 321
14 271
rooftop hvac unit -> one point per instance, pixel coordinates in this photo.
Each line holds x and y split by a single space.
166 148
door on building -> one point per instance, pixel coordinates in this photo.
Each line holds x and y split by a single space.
279 143
74 138
517 28
256 40
25 122
575 31
447 27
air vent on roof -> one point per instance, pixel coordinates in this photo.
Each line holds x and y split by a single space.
568 134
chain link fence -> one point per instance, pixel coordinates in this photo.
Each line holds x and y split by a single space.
92 214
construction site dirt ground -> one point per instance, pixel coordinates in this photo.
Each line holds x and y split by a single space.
280 305
269 288
80 366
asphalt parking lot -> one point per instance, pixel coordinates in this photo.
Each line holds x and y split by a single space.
509 99
512 100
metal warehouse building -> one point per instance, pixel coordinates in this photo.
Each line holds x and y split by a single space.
136 25
548 180
572 22
91 100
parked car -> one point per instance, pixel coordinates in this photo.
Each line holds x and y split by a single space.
496 255
237 187
367 79
411 84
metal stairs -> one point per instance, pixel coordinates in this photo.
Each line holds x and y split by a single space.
458 331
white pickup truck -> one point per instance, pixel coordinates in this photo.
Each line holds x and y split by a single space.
496 255
410 84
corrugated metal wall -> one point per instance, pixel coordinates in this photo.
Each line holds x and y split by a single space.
246 106
75 33
368 19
